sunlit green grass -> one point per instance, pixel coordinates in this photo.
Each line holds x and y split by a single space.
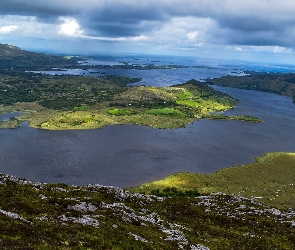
271 178
167 111
117 111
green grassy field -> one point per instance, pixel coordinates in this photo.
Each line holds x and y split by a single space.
117 111
167 112
271 179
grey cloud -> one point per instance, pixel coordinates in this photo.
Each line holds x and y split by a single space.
29 8
126 20
269 37
97 18
109 29
248 22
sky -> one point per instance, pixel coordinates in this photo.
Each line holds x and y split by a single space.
251 30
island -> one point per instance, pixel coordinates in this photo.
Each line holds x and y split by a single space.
85 102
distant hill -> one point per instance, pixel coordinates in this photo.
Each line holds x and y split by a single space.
12 57
278 83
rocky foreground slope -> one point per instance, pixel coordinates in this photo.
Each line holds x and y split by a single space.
57 216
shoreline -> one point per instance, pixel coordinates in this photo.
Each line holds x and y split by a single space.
272 185
269 179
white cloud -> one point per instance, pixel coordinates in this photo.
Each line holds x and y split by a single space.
180 34
261 49
282 50
192 35
8 29
140 38
70 27
27 26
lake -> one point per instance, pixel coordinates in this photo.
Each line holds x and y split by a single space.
128 155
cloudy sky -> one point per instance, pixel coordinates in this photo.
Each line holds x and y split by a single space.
242 29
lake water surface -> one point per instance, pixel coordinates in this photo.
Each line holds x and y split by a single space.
128 155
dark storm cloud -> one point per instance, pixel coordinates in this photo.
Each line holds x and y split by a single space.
248 22
261 38
98 18
30 8
125 20
109 29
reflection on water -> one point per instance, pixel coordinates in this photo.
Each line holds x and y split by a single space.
128 155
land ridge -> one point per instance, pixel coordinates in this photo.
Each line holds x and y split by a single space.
278 83
35 215
270 178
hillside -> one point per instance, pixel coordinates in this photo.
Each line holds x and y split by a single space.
282 84
57 216
14 58
271 178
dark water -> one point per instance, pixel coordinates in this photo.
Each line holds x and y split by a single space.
128 155
6 117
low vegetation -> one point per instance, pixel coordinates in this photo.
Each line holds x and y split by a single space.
12 123
57 216
234 117
270 179
117 111
174 106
